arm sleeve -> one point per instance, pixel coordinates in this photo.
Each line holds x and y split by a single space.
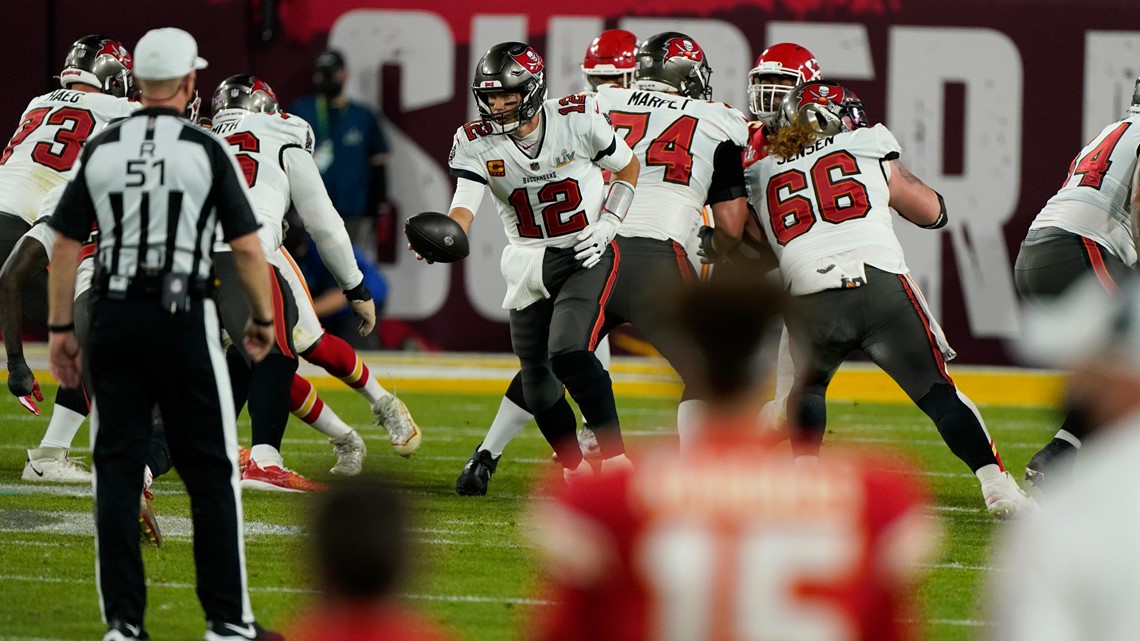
728 174
231 195
320 217
468 194
75 214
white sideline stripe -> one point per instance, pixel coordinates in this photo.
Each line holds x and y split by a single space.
453 598
83 524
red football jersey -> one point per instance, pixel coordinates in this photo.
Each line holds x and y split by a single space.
757 143
363 622
736 543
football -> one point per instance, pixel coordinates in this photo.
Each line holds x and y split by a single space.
436 237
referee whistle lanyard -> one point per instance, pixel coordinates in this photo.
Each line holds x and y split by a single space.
323 154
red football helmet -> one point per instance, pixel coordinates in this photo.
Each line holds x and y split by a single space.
611 54
785 61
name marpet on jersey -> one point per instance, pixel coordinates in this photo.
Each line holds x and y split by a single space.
819 144
642 99
535 179
65 95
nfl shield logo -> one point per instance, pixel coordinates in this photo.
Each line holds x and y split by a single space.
534 166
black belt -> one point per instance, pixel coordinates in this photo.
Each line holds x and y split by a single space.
148 287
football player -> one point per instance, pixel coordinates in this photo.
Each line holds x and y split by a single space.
96 81
689 150
1088 227
824 196
733 541
543 162
274 151
610 60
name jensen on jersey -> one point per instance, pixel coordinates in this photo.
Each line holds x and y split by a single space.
642 99
535 179
819 144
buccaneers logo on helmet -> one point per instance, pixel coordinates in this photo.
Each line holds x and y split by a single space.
684 48
529 60
118 51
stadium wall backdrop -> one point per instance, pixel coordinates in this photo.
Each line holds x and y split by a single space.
990 100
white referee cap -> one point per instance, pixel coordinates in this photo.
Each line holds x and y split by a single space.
166 53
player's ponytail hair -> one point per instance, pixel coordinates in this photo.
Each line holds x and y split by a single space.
791 139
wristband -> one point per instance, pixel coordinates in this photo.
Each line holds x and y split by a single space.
619 199
262 323
358 293
61 329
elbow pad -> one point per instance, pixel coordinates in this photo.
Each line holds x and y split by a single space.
942 217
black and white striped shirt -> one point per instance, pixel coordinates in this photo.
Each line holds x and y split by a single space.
157 187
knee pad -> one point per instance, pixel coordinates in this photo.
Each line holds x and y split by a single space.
540 389
578 369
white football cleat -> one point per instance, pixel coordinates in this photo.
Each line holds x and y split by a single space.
572 476
52 465
393 415
1005 499
616 464
350 452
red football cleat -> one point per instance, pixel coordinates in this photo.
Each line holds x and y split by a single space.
277 479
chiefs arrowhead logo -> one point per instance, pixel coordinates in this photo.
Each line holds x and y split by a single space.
529 60
684 48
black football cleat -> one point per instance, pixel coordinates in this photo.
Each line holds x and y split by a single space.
476 475
118 630
1052 465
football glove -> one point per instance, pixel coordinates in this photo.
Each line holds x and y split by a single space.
594 239
705 250
23 384
360 300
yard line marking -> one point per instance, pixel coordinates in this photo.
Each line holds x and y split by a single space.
953 565
83 524
453 598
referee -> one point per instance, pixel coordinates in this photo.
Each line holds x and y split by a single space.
158 188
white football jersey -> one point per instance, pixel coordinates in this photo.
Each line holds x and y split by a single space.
675 139
1095 200
547 200
826 211
47 142
259 141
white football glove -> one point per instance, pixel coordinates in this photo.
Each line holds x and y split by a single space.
594 239
365 310
360 300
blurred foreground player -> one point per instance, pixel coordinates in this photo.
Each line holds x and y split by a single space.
1069 571
734 541
1087 227
359 550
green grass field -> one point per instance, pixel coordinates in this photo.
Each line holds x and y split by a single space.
475 574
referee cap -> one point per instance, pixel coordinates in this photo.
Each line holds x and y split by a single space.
166 53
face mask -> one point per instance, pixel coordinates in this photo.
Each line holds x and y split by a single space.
328 86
